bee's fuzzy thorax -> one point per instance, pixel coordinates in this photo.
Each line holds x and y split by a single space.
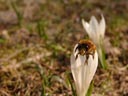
85 48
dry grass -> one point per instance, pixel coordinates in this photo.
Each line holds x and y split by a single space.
36 40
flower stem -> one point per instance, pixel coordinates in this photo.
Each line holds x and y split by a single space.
90 89
102 57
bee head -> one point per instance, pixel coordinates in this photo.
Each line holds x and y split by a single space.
85 46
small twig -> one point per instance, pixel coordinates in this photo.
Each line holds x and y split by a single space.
31 59
5 93
5 59
13 55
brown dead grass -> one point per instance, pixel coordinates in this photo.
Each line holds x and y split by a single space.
32 65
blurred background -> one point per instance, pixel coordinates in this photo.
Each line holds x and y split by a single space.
38 36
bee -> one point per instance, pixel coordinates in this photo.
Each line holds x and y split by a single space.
85 47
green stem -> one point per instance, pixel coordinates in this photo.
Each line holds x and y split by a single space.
102 59
89 92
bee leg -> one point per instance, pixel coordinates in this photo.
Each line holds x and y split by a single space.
76 48
76 56
93 54
86 61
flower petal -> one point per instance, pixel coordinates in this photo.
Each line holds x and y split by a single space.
94 29
76 72
73 64
86 26
93 63
94 24
88 29
90 70
82 72
102 26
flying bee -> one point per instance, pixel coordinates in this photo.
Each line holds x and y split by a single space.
85 47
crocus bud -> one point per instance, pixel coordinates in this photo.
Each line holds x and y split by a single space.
96 32
84 62
94 29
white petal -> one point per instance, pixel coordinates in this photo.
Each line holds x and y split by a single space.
88 29
93 63
73 65
102 26
94 27
76 72
80 60
83 73
93 24
86 26
90 70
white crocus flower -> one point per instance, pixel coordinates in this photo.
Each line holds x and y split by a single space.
96 32
94 29
84 62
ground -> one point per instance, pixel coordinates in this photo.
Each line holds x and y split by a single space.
38 36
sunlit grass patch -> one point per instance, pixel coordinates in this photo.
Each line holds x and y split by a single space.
117 22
